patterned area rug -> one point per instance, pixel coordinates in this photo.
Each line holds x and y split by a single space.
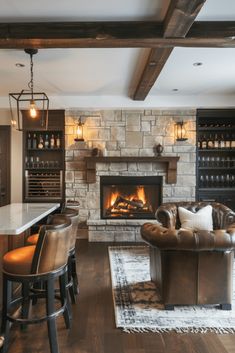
138 307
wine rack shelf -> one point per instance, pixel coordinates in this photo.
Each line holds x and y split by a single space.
44 159
215 165
44 185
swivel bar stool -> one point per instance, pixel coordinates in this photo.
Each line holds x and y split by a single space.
72 272
45 262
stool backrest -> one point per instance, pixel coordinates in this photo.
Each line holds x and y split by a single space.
53 245
74 217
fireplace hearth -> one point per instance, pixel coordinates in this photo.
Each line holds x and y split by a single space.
124 197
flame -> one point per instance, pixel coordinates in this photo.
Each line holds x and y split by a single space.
141 194
113 197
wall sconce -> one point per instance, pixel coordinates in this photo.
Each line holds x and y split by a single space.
79 131
180 132
36 103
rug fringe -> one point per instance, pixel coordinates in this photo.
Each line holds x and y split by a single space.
218 330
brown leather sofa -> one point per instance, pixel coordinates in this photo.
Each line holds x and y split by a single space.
192 267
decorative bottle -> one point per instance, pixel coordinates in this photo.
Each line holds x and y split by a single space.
52 141
40 144
29 142
34 141
58 144
46 141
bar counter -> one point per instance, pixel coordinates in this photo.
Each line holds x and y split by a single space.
18 217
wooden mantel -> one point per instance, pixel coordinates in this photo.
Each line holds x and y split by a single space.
171 164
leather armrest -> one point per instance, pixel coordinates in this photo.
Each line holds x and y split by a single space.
166 214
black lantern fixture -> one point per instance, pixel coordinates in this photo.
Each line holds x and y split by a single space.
37 103
180 132
79 131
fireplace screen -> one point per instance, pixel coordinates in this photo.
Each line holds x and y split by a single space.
130 197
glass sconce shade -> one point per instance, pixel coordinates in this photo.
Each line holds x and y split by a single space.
180 132
79 136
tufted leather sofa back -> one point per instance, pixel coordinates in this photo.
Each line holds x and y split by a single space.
167 214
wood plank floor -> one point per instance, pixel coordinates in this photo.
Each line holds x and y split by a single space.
93 329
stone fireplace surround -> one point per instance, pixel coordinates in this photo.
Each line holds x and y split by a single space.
118 229
125 133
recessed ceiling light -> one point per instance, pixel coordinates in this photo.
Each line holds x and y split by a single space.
175 89
20 65
197 64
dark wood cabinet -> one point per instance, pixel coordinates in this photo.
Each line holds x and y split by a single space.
216 156
44 158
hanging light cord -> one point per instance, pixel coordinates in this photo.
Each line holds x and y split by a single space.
30 84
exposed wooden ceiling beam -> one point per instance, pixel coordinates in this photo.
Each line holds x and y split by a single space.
179 18
123 34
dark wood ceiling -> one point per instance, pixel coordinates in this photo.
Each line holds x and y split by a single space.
179 29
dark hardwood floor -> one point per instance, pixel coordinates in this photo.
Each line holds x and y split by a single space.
93 329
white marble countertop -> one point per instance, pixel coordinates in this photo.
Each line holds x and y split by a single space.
17 217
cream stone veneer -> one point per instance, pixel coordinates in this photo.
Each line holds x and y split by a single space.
126 133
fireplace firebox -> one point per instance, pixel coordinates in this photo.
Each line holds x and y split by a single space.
125 197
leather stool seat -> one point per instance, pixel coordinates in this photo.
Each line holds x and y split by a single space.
32 239
19 261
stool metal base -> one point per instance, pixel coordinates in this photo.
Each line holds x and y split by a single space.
28 281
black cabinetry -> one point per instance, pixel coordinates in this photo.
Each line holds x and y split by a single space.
44 158
216 156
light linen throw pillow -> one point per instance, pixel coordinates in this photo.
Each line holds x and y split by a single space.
201 220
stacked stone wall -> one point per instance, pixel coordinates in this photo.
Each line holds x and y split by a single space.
126 133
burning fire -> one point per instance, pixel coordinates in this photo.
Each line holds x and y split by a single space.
139 195
128 201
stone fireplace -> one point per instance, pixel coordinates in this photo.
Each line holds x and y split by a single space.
125 197
126 137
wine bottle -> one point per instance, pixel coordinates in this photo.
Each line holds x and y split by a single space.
58 141
29 141
52 141
233 141
199 142
216 141
222 142
204 142
210 142
227 141
34 141
46 141
41 142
